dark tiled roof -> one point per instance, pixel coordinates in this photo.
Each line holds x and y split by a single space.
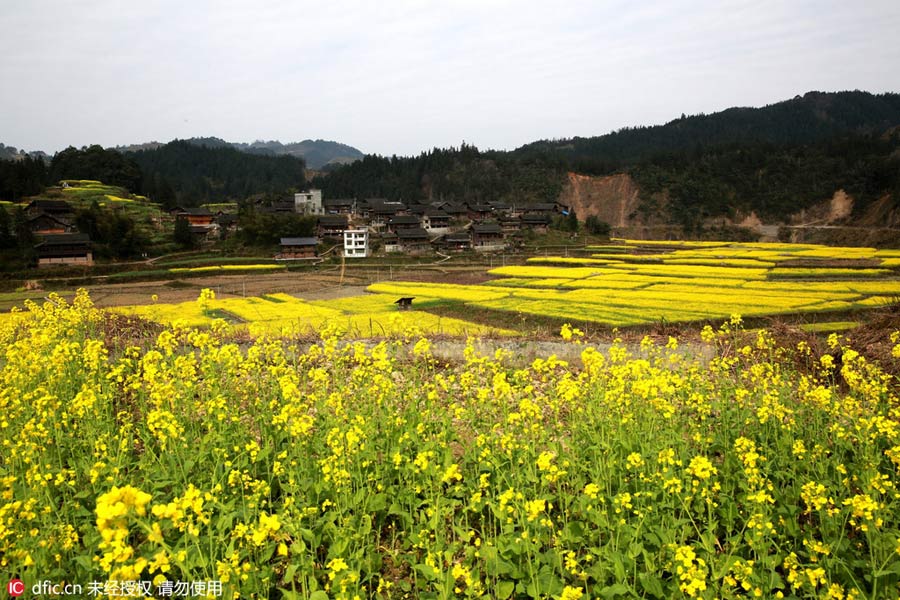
404 220
483 228
45 217
333 220
543 207
338 202
198 211
416 233
64 239
299 241
49 205
455 238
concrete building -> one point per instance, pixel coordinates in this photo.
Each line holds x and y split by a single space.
309 203
356 243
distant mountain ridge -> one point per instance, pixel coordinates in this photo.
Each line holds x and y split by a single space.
316 153
804 119
13 153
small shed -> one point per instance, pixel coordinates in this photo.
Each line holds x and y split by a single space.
405 303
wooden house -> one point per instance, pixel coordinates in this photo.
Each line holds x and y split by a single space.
413 240
297 248
459 241
399 222
45 224
487 237
64 249
331 225
55 208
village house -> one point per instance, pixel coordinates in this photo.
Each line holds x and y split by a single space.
196 217
413 241
536 222
356 243
309 203
417 209
380 214
293 248
545 208
435 221
487 237
45 224
456 212
364 208
64 249
339 206
55 208
509 224
460 241
283 207
479 212
331 225
396 223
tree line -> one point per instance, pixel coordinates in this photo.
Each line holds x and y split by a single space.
178 173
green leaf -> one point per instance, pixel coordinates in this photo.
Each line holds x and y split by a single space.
505 589
635 549
289 573
427 571
611 591
378 502
319 595
618 565
651 584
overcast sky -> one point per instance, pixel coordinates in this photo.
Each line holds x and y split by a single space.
405 76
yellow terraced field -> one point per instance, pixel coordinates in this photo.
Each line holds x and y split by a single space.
680 282
282 315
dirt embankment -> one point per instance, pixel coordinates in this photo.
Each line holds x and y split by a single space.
613 198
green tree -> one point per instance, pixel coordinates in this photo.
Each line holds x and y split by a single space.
182 233
595 226
6 237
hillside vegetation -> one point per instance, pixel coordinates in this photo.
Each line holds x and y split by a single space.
773 161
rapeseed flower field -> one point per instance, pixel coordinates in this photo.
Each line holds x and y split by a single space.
643 283
343 470
283 315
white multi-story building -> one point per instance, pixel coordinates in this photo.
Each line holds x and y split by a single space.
356 243
309 203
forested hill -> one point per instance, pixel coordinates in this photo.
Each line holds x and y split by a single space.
805 119
189 174
315 153
773 161
177 173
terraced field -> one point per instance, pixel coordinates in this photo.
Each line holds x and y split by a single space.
283 315
650 282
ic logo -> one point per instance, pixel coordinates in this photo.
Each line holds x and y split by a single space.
15 587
